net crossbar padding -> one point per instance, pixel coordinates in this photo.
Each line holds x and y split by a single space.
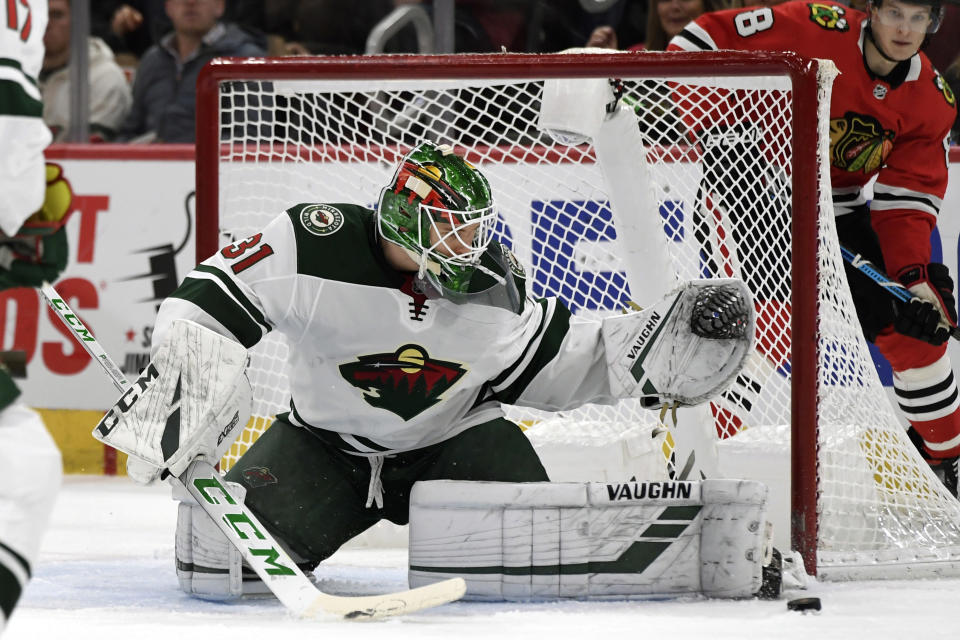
751 199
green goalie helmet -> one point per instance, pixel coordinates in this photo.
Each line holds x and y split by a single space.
435 190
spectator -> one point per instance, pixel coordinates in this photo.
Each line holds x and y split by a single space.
109 92
332 27
625 17
164 91
669 17
129 27
666 20
134 26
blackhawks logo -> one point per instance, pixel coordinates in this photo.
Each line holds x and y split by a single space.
406 382
859 143
829 16
944 88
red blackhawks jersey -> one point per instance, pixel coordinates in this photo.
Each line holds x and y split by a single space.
894 127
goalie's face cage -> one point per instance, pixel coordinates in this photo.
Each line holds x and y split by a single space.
455 239
439 208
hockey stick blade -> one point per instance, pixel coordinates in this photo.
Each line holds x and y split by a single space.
875 273
259 549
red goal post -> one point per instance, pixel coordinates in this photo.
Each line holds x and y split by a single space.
268 128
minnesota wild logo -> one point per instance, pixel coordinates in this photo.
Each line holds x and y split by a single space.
321 219
829 16
859 143
944 88
406 382
515 265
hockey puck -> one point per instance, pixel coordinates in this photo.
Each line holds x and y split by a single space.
804 604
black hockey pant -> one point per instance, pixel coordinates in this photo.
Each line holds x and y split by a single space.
312 496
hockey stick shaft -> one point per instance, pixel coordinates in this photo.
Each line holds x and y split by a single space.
259 549
83 336
875 273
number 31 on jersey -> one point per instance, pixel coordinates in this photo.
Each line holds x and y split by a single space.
242 248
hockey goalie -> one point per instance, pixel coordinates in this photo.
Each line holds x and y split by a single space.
409 328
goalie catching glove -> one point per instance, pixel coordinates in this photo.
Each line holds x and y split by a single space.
192 400
933 311
684 349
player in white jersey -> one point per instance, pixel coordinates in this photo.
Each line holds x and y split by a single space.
409 328
34 205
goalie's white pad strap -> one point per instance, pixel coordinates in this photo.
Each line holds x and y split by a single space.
193 399
655 354
522 541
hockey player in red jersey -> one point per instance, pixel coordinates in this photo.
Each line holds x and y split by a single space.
890 118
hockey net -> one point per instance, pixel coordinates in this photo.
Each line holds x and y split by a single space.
751 201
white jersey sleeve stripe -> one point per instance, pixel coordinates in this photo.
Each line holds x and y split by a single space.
886 197
518 368
847 200
211 295
12 71
694 38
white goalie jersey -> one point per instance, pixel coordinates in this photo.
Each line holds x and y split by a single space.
374 364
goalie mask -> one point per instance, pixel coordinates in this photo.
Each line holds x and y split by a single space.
438 207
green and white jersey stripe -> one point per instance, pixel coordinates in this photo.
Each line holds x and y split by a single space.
19 95
23 135
372 361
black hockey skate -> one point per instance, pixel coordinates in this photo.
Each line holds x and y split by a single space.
944 468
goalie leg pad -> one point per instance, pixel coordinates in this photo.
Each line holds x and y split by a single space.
686 348
208 565
529 541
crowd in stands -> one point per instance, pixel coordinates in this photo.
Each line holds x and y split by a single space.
144 55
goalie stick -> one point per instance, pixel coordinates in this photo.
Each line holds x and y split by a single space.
875 273
258 548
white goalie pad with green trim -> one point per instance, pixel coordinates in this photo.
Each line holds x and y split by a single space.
530 541
686 348
192 400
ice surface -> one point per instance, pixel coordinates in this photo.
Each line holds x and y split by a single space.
106 571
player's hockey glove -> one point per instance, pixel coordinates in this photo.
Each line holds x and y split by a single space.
57 205
38 252
933 311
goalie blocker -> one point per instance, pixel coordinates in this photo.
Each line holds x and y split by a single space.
191 401
529 541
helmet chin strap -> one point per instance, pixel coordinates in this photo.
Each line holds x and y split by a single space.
496 276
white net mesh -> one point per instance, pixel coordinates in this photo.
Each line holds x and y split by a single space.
725 210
